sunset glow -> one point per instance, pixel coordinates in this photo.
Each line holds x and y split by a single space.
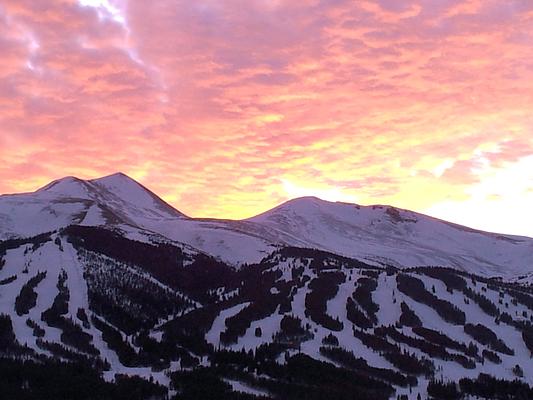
226 108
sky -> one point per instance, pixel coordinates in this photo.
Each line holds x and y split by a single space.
226 108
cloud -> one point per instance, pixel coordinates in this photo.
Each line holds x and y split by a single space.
205 101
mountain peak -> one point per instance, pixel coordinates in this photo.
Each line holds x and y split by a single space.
306 199
66 179
127 188
305 206
69 186
118 180
116 190
303 202
117 176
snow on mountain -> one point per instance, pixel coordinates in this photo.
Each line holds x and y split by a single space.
119 190
109 200
120 202
379 234
398 237
477 302
129 307
66 271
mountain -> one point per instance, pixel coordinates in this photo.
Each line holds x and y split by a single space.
106 290
378 234
110 200
399 237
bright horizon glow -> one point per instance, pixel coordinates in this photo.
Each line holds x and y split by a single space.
228 108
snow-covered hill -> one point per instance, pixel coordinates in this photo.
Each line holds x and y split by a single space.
399 237
378 234
344 310
302 322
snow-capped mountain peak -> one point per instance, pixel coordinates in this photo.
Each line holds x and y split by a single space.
114 199
117 188
124 188
69 186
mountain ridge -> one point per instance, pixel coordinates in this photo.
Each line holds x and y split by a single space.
376 233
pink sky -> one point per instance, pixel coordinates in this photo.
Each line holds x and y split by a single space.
227 108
